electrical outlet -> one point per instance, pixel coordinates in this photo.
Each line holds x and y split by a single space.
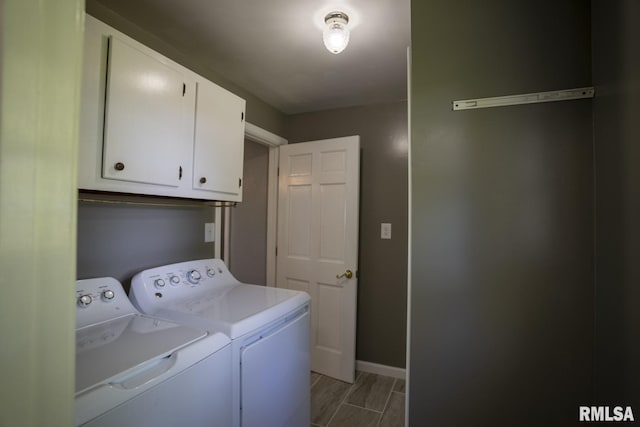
209 232
385 230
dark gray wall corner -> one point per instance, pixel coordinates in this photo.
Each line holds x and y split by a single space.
616 76
248 234
502 239
382 285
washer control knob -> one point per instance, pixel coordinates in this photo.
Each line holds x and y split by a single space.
108 295
85 300
175 280
159 283
211 272
194 276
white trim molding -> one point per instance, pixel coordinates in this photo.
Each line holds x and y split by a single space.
375 368
262 136
217 245
272 141
272 214
409 241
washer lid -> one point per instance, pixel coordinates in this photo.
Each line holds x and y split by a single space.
237 310
115 346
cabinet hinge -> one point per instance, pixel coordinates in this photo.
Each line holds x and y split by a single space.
239 182
179 173
184 88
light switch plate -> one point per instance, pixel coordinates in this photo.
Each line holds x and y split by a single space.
209 232
385 230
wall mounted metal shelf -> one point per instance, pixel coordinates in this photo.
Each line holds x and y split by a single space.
527 98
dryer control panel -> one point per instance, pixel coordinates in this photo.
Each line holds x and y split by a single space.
160 287
100 299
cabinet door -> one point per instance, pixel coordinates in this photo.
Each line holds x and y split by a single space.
145 138
219 142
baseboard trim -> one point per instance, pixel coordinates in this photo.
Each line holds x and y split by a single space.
375 368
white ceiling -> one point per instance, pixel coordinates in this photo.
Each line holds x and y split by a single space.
274 49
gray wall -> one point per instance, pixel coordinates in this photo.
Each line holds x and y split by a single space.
382 290
248 234
502 239
120 240
258 112
616 76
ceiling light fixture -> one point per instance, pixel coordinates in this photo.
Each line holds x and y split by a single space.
336 33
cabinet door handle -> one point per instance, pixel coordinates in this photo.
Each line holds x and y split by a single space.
203 180
180 173
119 166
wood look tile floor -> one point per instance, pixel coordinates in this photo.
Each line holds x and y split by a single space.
371 401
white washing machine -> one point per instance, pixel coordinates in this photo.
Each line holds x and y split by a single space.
269 329
136 370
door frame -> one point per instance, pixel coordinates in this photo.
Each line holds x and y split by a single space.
272 142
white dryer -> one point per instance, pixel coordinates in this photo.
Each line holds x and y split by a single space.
137 370
269 329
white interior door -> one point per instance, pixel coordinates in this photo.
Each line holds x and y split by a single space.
318 241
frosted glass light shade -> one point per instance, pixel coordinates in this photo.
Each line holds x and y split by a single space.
336 33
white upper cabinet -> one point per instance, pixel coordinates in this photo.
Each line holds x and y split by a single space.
144 130
219 125
151 126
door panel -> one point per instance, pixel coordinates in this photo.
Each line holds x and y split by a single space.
332 225
219 140
299 232
318 240
145 138
328 317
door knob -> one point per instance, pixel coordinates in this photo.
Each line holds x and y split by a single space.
348 274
